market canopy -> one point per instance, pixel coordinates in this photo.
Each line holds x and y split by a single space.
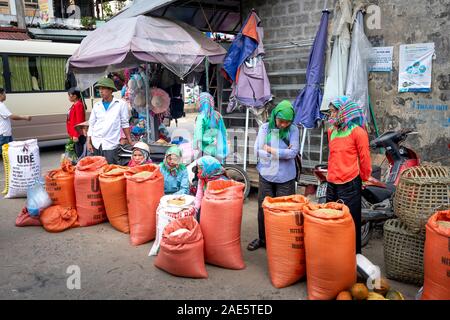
128 42
205 15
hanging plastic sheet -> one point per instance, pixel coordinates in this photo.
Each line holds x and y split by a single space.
337 70
358 75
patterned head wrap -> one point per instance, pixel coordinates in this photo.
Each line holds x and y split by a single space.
349 113
210 167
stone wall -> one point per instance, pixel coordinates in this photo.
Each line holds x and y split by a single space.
401 22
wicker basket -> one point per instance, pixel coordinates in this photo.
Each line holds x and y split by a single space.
403 253
420 192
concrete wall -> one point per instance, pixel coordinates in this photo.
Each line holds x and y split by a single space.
407 22
401 22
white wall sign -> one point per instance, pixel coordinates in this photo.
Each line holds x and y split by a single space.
415 61
380 59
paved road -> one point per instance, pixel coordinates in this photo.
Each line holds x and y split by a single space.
34 263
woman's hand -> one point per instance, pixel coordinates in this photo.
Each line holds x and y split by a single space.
90 147
269 149
75 139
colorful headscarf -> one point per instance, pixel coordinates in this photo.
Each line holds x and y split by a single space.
206 107
349 113
285 111
210 167
210 129
179 167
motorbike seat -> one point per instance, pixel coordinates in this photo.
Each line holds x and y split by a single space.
375 194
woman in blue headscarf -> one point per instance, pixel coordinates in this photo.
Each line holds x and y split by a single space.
210 135
209 169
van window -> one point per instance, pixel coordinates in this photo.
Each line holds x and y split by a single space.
2 80
20 74
37 73
51 73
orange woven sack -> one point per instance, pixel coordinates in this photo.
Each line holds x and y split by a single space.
145 187
330 248
58 218
220 220
90 207
436 266
181 250
60 187
113 186
283 221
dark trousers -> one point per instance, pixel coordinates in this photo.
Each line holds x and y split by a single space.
4 140
271 189
79 145
350 194
112 156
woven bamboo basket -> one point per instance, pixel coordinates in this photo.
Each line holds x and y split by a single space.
420 192
403 253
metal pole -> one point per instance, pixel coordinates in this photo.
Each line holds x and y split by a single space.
303 142
147 106
321 143
247 115
207 74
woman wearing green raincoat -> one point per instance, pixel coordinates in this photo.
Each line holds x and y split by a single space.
210 135
176 180
276 148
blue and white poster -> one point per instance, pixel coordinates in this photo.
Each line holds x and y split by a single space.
415 67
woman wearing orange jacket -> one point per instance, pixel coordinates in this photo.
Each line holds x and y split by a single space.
349 161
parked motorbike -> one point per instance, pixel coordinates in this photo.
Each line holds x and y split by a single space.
377 196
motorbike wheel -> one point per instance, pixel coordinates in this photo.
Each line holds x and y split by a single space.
237 173
366 226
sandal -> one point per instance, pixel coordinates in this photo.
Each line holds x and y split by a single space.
256 244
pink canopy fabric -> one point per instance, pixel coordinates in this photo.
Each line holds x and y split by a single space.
125 43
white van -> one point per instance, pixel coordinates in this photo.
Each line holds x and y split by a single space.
33 74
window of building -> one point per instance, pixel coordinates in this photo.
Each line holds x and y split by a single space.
31 4
30 74
31 7
4 7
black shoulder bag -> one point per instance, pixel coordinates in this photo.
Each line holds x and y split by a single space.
298 163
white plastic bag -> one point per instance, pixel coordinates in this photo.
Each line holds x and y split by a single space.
358 70
24 167
37 198
167 212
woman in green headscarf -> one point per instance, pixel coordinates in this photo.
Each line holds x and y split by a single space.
176 180
276 147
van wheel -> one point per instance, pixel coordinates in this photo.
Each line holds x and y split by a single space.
237 173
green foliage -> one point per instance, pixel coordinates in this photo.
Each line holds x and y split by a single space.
87 22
